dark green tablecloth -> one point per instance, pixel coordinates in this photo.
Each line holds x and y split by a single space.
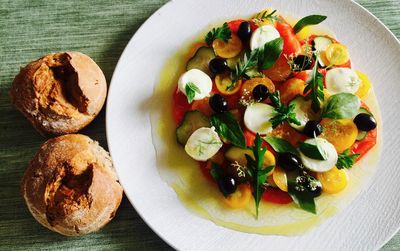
101 29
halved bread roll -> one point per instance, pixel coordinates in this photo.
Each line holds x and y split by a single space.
70 186
60 93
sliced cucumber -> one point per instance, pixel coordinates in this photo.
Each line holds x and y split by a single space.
192 121
238 154
303 112
364 110
320 43
362 134
201 59
233 61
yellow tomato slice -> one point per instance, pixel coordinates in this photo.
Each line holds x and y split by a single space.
290 89
337 54
269 160
280 179
246 91
341 133
225 86
229 49
333 181
240 198
365 85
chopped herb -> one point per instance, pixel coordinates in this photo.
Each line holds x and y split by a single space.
191 90
256 60
228 127
282 112
315 88
222 33
346 160
256 170
308 20
264 15
249 61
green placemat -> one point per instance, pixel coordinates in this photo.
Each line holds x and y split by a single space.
101 29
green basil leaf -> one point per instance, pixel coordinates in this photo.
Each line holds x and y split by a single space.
227 127
308 20
280 145
312 151
191 90
303 199
270 53
341 106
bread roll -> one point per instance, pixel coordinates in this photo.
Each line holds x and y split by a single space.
70 185
60 93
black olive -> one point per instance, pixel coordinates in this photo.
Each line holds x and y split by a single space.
311 127
244 31
307 184
218 103
238 172
260 92
288 161
218 65
302 62
227 185
365 122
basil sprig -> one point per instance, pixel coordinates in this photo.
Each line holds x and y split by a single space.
312 151
308 20
268 54
280 145
191 90
228 127
341 106
256 170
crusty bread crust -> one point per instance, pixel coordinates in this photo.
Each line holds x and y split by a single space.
70 185
60 93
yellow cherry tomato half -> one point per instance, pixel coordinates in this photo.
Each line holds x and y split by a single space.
269 160
240 198
333 181
246 91
280 179
337 54
225 85
229 49
365 85
341 133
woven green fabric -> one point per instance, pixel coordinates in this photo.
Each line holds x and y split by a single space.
101 29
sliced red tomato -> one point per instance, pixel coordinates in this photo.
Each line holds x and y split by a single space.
205 167
290 43
180 106
276 196
249 136
234 25
362 147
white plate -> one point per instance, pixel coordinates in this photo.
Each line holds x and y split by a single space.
370 221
